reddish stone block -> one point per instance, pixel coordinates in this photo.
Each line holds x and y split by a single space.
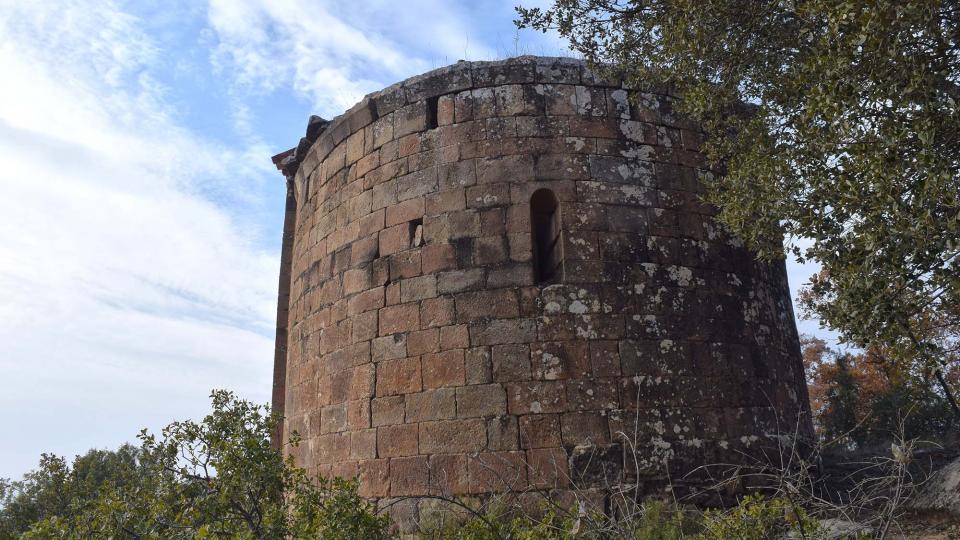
454 337
500 304
358 414
333 418
502 433
436 312
385 411
398 377
395 441
403 212
399 318
445 201
548 468
477 365
363 444
409 476
437 257
391 293
388 347
481 401
418 288
365 326
539 431
374 476
443 369
452 436
439 404
423 341
365 301
405 264
394 239
497 472
449 474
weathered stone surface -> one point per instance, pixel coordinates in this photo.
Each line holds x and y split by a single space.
941 492
424 350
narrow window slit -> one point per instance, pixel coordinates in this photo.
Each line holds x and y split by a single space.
416 232
432 106
546 236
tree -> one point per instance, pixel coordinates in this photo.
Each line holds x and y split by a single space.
55 488
864 399
219 478
850 150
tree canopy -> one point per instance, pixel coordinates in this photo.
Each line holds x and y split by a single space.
851 150
217 478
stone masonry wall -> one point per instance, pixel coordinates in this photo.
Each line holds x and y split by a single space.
423 358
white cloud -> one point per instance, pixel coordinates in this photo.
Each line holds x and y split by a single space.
334 58
126 292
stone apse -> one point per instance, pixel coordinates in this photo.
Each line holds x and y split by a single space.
500 277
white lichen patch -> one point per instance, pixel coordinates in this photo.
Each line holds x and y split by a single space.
621 102
552 366
579 143
632 130
681 275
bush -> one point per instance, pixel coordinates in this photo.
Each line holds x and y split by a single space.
217 478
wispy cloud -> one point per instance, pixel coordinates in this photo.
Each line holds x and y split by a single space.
128 288
334 53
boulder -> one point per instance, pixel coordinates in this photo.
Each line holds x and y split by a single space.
941 492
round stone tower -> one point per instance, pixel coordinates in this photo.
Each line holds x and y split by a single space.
499 276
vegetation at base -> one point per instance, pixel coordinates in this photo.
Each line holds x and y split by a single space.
850 144
218 478
755 518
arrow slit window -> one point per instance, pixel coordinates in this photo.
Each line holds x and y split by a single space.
546 235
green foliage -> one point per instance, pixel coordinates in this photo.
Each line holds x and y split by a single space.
653 520
757 518
843 397
850 145
56 488
219 478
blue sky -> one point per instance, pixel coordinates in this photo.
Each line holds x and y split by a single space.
140 216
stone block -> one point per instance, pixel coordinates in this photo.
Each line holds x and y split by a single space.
397 440
400 376
387 411
579 428
439 404
535 397
540 431
443 369
455 336
511 362
409 476
482 400
452 436
495 472
435 312
548 468
418 288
